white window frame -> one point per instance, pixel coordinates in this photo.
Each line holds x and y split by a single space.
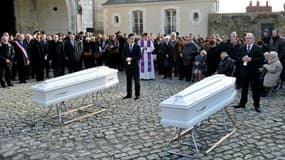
163 17
131 19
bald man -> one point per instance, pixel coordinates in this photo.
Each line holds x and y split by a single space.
251 58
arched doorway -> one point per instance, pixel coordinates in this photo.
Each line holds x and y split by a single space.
7 16
72 8
27 16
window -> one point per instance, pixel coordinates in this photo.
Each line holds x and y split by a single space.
196 16
116 19
137 22
170 21
55 9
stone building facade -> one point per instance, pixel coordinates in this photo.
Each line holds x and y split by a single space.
155 16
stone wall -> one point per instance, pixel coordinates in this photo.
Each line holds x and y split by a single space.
50 16
98 16
245 22
86 17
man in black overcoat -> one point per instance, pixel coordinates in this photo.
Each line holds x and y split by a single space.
6 58
251 58
37 56
131 56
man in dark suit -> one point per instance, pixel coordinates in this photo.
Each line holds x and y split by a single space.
21 58
251 59
131 56
72 54
6 58
37 57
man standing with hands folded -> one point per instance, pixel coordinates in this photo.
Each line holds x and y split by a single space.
131 56
251 58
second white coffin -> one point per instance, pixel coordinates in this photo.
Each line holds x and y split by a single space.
197 102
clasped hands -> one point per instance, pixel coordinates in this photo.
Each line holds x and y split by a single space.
246 59
129 59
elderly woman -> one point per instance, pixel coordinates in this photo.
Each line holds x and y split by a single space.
199 67
226 65
273 69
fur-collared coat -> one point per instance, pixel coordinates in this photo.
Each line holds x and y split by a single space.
273 71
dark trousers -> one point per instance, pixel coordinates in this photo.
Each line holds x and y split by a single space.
33 69
73 66
14 71
99 61
5 74
253 80
180 68
188 72
22 72
168 67
88 61
168 71
238 76
39 72
58 71
133 74
47 68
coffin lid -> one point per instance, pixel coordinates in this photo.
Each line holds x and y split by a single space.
200 91
74 78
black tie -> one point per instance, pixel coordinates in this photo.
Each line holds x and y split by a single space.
131 48
248 48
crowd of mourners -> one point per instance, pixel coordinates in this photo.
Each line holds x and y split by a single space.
187 57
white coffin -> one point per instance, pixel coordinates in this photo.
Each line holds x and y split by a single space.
197 102
60 89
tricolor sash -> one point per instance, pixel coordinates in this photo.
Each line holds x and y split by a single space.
23 50
148 56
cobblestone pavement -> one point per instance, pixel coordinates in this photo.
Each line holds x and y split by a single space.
131 129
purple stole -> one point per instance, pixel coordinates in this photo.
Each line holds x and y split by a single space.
22 49
148 56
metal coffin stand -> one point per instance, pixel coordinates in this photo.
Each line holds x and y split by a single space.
197 131
63 110
192 107
53 93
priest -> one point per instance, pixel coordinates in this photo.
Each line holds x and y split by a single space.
146 62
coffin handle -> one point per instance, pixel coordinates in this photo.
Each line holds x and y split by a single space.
203 108
58 94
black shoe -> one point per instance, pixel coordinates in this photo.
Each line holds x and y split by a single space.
262 94
3 85
239 106
164 77
126 97
10 84
23 81
137 97
257 109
